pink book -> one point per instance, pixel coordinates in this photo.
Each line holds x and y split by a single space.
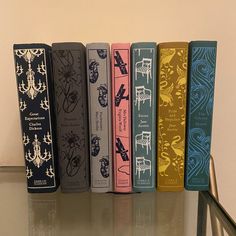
121 111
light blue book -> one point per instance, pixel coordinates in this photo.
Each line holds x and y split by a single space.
202 64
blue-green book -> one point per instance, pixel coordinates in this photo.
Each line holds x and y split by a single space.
202 65
144 116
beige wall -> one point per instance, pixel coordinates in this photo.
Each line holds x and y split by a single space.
91 21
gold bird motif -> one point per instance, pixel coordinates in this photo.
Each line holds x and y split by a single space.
181 77
163 163
165 94
166 55
178 146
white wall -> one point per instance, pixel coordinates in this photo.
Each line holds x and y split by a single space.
125 21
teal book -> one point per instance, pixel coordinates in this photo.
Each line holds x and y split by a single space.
144 116
202 64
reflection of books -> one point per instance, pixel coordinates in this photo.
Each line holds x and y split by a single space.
101 207
144 210
120 63
165 203
123 215
121 150
42 214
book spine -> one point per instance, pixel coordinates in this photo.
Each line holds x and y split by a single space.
121 111
34 84
202 60
144 116
173 62
99 101
71 113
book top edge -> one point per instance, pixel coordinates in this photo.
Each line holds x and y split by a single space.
97 45
143 44
120 45
173 44
31 46
203 43
67 45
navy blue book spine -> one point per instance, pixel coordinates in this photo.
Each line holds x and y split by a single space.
34 84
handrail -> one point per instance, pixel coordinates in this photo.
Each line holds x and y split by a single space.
217 229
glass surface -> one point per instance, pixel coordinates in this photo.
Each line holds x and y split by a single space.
145 214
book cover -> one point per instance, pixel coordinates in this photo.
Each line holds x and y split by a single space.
121 113
34 84
202 59
172 84
99 102
144 116
69 67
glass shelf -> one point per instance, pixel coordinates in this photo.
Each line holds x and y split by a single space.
145 214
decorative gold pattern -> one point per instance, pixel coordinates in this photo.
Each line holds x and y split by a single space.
171 115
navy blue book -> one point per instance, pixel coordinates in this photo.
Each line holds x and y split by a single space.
202 64
34 85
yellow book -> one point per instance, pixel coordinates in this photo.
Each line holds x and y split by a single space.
171 113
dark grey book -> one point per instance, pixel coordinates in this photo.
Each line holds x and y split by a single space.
34 86
71 115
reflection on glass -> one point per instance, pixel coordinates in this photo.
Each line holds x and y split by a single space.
190 212
101 214
74 214
122 214
139 214
42 210
170 213
219 222
144 214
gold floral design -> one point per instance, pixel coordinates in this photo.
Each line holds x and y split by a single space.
165 93
171 112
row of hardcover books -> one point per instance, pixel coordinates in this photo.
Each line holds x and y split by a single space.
132 118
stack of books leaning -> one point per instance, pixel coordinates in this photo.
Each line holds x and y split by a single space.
130 118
